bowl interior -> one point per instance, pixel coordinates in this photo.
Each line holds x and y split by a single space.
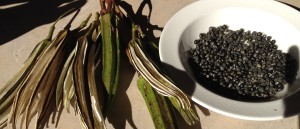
286 35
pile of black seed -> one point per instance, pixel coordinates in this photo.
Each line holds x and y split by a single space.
246 62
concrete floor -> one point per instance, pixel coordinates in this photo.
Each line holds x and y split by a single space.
129 110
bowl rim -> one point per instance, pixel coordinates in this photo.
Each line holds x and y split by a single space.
272 110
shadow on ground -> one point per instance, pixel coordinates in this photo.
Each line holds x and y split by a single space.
20 16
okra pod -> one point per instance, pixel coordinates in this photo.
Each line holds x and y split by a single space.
68 87
80 82
149 69
95 98
8 92
63 77
160 111
28 98
110 53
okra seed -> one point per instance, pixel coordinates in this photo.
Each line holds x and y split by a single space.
247 62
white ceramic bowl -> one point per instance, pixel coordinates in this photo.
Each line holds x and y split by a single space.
271 17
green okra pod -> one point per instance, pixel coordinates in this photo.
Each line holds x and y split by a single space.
110 56
148 68
160 111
